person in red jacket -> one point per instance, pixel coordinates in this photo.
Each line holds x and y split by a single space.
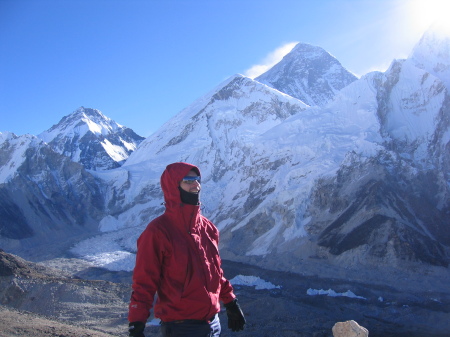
178 258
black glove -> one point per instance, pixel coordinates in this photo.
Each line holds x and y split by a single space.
236 319
136 329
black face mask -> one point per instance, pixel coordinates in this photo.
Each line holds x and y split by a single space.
189 198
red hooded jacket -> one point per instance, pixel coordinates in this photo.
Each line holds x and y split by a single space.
178 257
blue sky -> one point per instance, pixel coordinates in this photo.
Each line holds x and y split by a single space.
141 62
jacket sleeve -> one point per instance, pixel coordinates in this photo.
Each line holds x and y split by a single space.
226 289
146 274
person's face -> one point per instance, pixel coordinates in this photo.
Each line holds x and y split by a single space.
191 186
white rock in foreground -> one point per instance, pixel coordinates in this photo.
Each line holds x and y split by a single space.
349 329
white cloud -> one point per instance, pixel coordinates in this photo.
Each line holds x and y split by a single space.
270 60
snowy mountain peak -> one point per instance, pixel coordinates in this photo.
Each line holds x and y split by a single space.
79 123
98 122
308 73
432 53
89 137
306 51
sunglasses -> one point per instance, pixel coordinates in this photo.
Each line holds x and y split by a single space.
190 180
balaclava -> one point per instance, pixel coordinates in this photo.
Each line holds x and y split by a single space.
188 197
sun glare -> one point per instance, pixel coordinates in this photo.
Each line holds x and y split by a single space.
427 13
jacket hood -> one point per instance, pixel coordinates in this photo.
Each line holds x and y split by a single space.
170 180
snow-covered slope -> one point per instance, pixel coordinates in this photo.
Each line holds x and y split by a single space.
213 132
46 200
432 53
92 139
211 128
323 175
13 153
412 109
326 182
308 73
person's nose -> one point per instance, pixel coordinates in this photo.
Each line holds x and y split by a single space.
196 184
